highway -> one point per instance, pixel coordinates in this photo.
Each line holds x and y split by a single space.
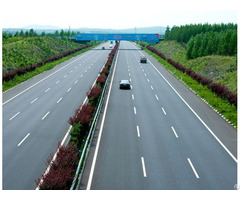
35 115
159 135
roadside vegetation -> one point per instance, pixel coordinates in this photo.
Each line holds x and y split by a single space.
25 55
213 76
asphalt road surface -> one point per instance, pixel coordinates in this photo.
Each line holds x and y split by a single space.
35 115
159 135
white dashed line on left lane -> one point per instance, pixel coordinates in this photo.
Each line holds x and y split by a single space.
45 115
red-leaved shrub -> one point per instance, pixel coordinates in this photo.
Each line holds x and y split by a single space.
101 80
61 173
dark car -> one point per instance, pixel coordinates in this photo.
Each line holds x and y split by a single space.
124 84
143 59
103 48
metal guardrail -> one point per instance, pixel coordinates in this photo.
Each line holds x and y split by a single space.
81 164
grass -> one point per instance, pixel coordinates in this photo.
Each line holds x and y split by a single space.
220 69
222 106
19 52
19 79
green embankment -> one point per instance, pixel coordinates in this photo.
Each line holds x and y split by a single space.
20 52
220 69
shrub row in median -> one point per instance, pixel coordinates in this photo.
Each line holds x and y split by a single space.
62 169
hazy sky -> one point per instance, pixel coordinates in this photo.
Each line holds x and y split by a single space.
116 14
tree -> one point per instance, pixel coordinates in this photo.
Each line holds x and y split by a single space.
190 45
21 33
43 34
167 32
62 33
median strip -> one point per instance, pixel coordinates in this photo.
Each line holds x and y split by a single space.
83 126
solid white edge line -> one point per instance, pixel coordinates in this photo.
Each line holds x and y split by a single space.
138 132
42 79
174 132
143 167
23 139
100 131
14 116
226 149
194 170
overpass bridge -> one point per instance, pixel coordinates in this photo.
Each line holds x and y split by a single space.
148 37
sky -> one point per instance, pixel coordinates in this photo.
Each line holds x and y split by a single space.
116 14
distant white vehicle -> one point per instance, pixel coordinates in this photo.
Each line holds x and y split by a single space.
110 46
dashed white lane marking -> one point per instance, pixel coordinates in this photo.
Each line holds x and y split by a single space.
71 71
156 97
175 133
69 89
34 100
138 132
132 97
57 82
194 170
14 116
59 100
148 80
210 131
23 139
45 115
135 111
144 168
76 81
164 111
47 89
151 87
65 76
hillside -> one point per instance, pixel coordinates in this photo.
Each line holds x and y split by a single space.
221 69
20 51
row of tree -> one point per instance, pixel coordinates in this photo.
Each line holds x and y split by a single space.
32 33
185 32
209 43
